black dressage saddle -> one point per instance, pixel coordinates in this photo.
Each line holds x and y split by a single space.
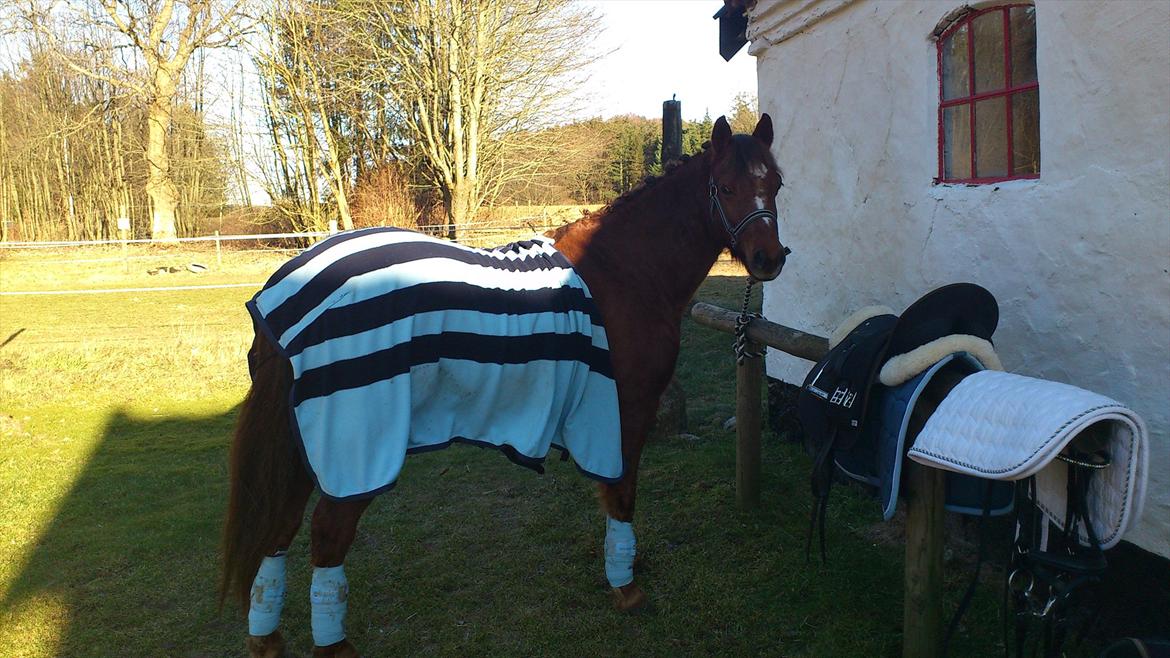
835 402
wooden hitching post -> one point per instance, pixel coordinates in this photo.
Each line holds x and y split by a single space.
922 604
922 630
748 426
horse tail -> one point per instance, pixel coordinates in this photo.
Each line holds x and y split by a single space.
268 480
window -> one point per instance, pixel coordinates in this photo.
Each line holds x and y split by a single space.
989 98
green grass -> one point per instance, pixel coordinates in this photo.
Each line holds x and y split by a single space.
115 413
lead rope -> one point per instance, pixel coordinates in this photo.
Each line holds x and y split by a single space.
740 346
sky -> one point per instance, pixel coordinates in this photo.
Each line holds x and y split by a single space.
660 48
650 50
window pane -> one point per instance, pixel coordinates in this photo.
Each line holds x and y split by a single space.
957 142
989 71
1023 45
991 138
955 65
1026 133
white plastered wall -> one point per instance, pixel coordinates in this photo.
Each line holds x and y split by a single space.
1079 259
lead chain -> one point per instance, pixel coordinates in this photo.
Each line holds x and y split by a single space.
740 346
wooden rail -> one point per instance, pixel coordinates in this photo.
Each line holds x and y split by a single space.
922 617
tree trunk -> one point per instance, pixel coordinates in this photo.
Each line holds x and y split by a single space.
460 205
164 195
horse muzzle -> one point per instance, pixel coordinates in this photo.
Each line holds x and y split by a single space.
765 267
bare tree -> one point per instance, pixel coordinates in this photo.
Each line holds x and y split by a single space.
473 81
142 47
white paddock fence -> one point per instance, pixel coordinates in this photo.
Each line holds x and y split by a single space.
476 234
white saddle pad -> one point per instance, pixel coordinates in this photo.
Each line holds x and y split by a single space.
1003 426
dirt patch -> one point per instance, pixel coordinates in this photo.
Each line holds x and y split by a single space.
10 426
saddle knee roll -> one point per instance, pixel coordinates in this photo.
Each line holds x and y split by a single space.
328 598
620 549
267 598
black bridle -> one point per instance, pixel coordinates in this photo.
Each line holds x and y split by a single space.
734 231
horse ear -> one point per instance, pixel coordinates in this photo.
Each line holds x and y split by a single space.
721 135
763 131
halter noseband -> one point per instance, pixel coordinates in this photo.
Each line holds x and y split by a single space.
734 231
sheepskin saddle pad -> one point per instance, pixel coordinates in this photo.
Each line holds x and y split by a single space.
400 343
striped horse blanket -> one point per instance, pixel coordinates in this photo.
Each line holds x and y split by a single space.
400 343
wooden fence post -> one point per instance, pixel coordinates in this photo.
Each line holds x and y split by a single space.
218 258
124 234
748 426
922 600
671 131
922 628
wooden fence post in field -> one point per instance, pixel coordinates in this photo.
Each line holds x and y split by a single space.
124 234
922 610
671 130
218 258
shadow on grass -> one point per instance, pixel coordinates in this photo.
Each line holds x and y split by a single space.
471 555
131 551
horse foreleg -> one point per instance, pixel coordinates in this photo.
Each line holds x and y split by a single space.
620 543
333 532
268 591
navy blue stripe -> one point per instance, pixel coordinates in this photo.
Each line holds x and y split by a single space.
291 266
336 274
439 296
399 359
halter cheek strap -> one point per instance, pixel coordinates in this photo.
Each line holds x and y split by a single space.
734 231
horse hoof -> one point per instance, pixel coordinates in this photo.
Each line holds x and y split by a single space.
265 646
628 598
342 649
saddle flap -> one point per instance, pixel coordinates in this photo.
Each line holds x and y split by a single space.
835 395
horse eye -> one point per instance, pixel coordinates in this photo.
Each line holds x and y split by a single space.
724 189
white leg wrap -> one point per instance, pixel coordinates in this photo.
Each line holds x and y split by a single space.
620 548
328 596
267 598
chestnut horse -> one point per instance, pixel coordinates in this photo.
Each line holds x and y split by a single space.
642 257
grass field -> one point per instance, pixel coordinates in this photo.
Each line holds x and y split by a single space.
115 414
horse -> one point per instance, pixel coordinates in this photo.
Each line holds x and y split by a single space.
641 259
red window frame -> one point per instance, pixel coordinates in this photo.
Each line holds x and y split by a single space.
1007 91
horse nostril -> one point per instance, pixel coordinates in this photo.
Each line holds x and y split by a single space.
758 258
787 251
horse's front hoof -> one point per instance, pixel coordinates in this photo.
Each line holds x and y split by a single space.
265 646
628 598
342 649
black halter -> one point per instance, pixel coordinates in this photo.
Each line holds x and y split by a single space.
734 231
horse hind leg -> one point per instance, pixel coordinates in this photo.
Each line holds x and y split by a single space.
268 589
269 490
620 544
334 527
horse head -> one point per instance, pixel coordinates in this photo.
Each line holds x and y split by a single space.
743 185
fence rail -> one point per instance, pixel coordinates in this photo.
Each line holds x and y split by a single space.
477 234
471 229
202 238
